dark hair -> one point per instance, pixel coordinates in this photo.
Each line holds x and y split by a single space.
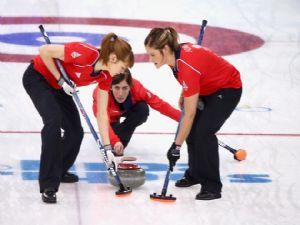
111 43
122 76
159 37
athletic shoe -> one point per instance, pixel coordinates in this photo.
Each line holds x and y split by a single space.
186 182
49 195
69 178
207 195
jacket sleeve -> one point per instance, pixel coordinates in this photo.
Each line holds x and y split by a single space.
113 137
156 103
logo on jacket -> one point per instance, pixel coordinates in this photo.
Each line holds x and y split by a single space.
184 86
78 74
149 94
75 55
187 48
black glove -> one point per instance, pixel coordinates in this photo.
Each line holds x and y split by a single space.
173 155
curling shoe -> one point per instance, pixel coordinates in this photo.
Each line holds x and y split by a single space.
69 178
207 195
49 195
186 182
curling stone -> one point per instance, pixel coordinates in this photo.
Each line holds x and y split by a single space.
131 175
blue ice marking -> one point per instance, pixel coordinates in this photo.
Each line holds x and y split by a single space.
5 170
97 172
253 109
30 169
249 178
94 166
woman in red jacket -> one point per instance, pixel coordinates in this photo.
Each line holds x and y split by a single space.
204 74
130 99
52 97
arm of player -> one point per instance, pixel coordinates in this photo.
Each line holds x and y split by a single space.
157 103
115 142
114 139
190 107
180 100
102 117
50 52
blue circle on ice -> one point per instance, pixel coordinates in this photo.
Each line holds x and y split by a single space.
36 39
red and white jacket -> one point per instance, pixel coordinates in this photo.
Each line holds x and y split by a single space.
79 61
138 93
199 70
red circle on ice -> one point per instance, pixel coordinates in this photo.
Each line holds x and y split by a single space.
220 40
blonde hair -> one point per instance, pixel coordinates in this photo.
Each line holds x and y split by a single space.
159 37
111 43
